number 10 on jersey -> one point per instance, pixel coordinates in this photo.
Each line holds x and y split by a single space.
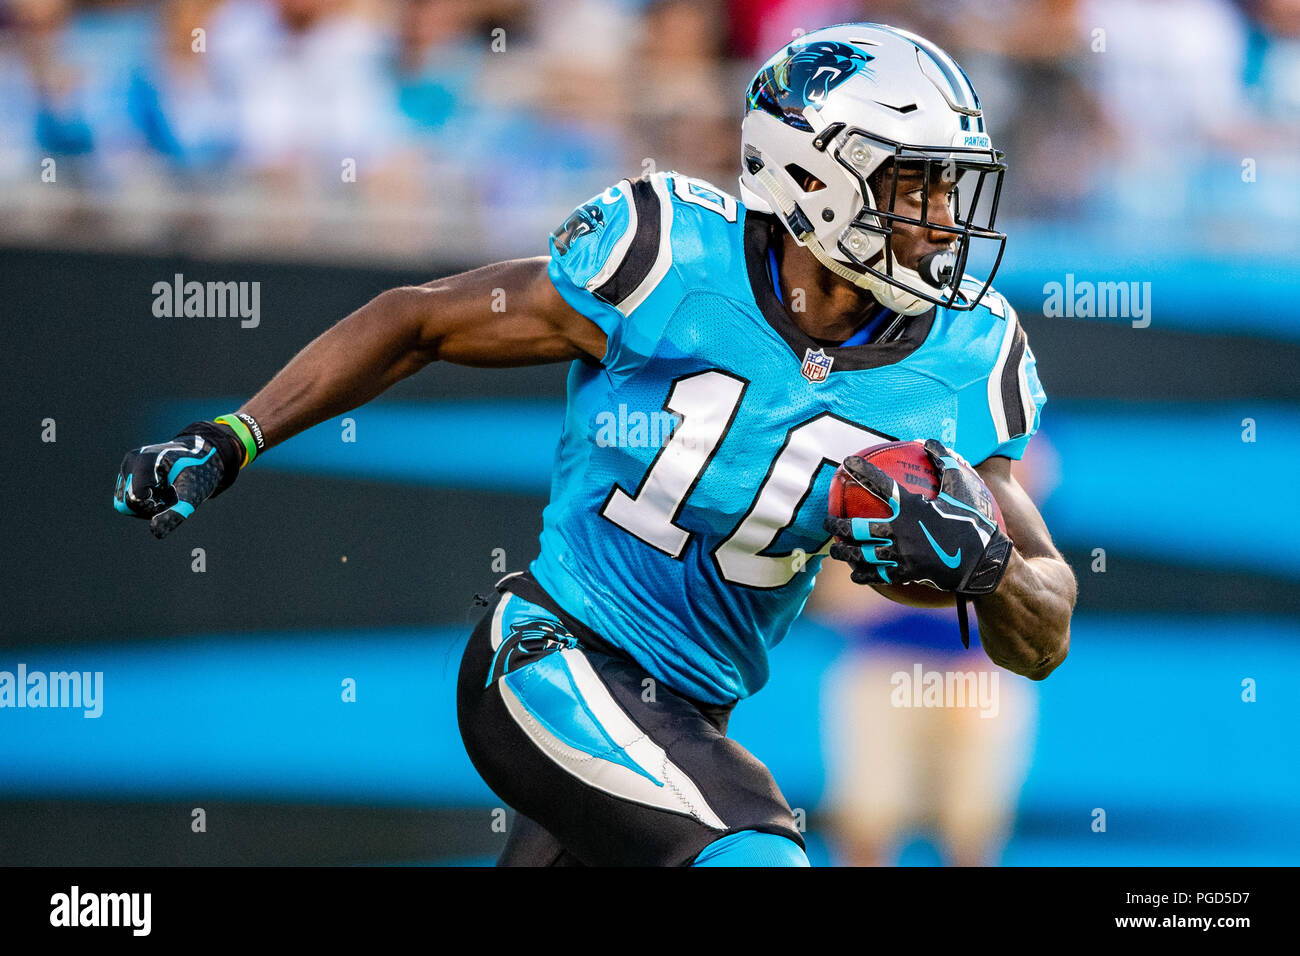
707 404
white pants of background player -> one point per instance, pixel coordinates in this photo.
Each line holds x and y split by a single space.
948 771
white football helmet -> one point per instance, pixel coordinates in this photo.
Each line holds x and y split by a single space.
828 111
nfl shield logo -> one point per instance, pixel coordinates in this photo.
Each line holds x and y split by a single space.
816 365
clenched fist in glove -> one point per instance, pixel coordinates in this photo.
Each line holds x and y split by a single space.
951 542
164 483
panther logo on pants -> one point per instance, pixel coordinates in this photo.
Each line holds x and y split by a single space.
529 640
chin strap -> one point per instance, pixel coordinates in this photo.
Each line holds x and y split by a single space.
802 230
892 299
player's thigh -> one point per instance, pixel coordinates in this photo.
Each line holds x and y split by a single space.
567 737
530 844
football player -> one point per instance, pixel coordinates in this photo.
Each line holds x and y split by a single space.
826 310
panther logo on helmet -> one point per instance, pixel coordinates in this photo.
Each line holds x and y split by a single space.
802 76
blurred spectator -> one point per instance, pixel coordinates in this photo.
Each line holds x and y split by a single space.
1274 58
175 98
76 82
564 129
690 103
61 125
1191 80
1183 115
759 27
472 125
440 62
309 83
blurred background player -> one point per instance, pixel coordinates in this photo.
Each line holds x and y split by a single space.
951 772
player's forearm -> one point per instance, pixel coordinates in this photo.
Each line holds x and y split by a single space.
1025 623
346 366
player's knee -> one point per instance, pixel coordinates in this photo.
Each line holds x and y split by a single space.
751 848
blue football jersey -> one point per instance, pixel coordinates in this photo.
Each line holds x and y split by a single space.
691 478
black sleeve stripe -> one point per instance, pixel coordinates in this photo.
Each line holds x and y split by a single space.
1013 405
643 251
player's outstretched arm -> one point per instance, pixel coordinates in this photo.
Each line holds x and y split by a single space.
506 314
1025 622
404 329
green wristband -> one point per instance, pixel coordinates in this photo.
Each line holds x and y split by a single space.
236 423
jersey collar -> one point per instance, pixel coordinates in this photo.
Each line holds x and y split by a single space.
760 233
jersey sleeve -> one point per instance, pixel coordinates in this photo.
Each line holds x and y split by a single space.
1000 407
1015 395
609 260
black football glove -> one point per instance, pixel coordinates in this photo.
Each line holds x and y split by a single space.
951 542
166 482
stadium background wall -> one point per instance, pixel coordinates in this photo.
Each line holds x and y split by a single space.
232 691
